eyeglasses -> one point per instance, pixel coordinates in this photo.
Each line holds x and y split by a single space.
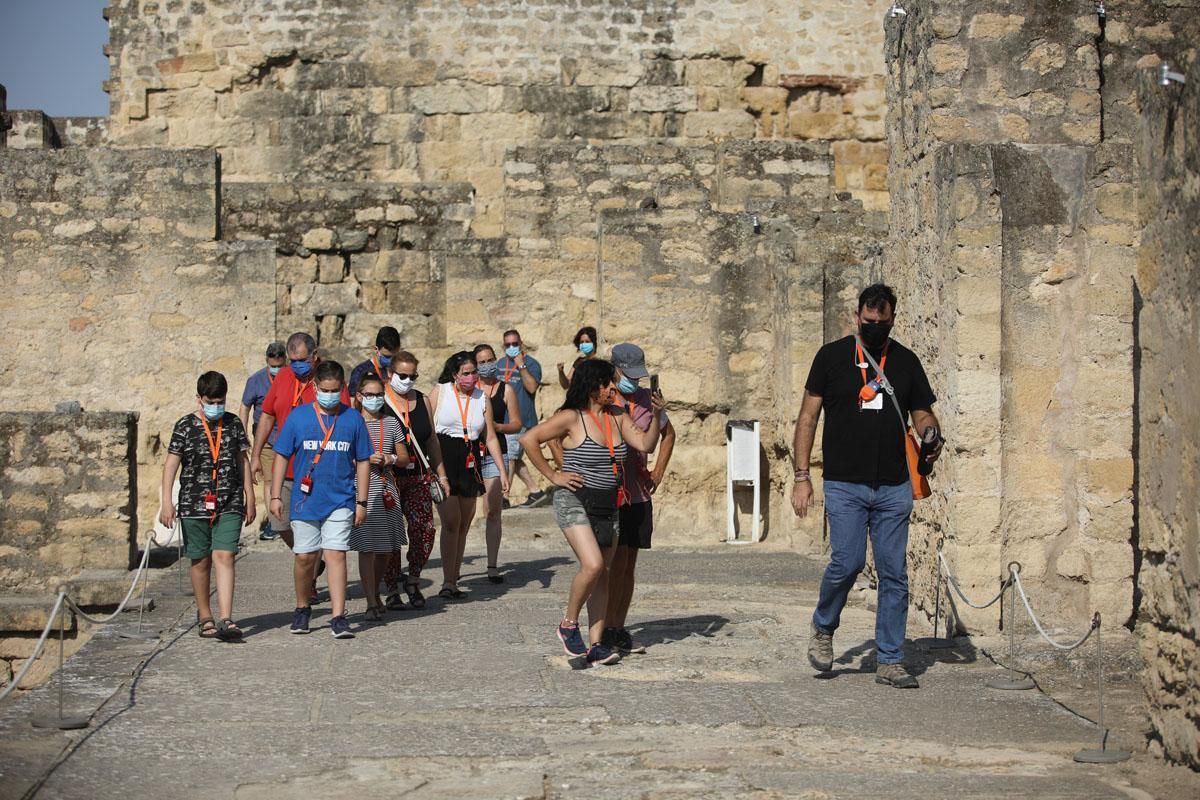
514 343
372 394
404 376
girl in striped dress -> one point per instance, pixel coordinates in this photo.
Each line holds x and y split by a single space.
383 530
596 435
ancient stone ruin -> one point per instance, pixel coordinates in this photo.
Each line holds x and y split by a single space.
712 179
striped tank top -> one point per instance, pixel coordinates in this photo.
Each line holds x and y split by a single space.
591 459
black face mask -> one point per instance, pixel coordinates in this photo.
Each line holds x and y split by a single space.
874 334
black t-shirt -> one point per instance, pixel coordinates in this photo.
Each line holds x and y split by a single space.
863 445
190 443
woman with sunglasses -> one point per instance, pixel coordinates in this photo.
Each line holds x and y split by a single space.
412 482
463 421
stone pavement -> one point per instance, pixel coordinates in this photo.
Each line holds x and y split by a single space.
475 698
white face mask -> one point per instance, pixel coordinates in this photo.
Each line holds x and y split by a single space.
403 387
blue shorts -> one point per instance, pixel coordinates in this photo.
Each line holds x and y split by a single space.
514 447
488 468
331 533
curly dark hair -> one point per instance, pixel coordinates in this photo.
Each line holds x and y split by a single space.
589 378
454 364
588 331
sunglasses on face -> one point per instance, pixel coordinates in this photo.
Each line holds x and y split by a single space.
404 376
517 343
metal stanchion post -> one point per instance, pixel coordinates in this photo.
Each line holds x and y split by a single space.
60 721
138 633
937 642
1103 755
1012 683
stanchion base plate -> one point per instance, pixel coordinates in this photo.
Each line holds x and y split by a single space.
61 723
1102 756
935 643
1010 684
145 636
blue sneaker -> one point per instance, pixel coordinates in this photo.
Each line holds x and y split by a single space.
572 641
340 628
602 654
300 618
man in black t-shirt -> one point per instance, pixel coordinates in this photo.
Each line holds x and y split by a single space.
866 481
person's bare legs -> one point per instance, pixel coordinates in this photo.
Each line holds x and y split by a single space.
492 530
335 576
524 474
200 574
369 577
590 584
620 586
223 565
302 572
450 513
467 508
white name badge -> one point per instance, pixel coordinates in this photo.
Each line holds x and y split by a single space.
874 405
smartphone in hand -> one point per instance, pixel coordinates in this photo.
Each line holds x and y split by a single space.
654 384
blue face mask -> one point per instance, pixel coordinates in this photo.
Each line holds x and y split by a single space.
274 370
512 351
626 386
384 360
587 348
329 400
301 368
489 370
373 404
213 411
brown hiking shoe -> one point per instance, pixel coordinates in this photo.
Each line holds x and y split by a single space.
820 650
895 675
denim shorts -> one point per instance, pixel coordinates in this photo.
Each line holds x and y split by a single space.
514 447
331 533
488 468
595 508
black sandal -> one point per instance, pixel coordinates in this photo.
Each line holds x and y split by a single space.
415 598
208 628
228 631
494 578
395 602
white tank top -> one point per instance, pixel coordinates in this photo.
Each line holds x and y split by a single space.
447 417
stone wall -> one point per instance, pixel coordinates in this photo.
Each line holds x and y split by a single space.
117 294
1168 279
1013 240
417 91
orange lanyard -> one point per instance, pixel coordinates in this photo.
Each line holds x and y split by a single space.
328 433
462 410
214 447
297 390
378 369
608 438
859 353
509 370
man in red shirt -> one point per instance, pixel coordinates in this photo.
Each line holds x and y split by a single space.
293 387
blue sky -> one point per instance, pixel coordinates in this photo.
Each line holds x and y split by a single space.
51 56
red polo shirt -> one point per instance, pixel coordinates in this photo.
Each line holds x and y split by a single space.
287 393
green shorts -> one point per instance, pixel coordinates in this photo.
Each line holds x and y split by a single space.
201 537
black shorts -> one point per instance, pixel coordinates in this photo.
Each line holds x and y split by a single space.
636 525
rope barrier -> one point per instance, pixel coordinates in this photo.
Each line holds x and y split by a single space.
1016 577
120 608
950 579
37 650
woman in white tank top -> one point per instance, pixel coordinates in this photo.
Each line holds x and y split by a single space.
462 419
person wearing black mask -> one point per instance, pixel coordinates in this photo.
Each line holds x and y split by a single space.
865 471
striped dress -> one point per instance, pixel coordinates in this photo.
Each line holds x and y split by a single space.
383 531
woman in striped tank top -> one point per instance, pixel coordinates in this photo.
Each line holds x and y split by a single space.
595 435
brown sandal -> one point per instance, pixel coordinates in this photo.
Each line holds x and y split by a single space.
208 628
228 631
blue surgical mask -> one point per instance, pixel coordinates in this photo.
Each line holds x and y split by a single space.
301 368
587 348
626 386
489 370
512 351
213 411
329 400
274 370
373 404
384 360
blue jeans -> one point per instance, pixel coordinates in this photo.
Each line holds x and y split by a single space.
854 509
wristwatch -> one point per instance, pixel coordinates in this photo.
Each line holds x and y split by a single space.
362 503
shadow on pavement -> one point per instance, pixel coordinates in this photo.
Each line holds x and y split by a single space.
674 629
917 658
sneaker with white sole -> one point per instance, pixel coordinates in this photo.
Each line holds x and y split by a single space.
572 640
820 649
895 675
601 653
300 618
340 628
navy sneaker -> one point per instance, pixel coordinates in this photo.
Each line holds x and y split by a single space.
300 618
623 642
602 654
609 637
572 641
340 628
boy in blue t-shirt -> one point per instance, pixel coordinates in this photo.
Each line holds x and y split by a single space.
331 450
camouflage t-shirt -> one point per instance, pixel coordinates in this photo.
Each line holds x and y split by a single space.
190 443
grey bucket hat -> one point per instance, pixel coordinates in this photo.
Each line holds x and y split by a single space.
630 359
